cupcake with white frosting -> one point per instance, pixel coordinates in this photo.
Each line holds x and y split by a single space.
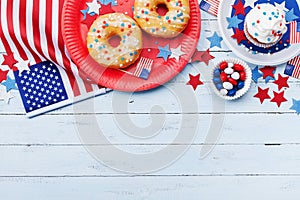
264 25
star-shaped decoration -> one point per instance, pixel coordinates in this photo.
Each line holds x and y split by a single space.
239 35
249 3
268 71
256 74
194 81
106 2
3 75
94 7
296 106
164 52
239 8
10 84
202 56
278 98
233 22
281 6
215 40
106 9
176 53
23 65
9 60
262 94
5 96
84 12
89 20
269 78
290 16
282 82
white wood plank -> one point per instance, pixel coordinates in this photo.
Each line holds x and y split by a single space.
236 129
142 188
225 160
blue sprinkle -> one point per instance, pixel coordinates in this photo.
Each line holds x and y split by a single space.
270 18
253 24
153 30
158 16
174 18
273 13
91 46
94 30
167 17
131 54
219 86
122 24
264 13
146 12
240 85
231 92
256 34
135 53
217 80
269 39
122 59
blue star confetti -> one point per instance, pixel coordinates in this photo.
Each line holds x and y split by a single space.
269 78
164 52
106 2
296 106
256 74
84 12
233 22
290 16
215 40
10 84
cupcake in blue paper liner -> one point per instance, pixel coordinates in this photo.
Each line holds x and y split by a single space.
265 25
266 36
231 78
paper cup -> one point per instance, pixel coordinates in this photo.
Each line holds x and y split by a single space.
247 82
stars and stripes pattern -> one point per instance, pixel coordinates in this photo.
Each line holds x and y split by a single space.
143 68
295 32
293 68
210 6
31 30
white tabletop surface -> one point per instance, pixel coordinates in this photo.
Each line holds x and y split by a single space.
253 151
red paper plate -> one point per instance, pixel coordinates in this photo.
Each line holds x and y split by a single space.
74 33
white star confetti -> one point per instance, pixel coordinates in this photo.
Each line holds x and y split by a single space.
22 65
93 7
281 6
176 53
5 96
249 3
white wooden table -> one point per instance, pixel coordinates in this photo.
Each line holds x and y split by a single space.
257 155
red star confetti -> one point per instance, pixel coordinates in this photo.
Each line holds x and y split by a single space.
239 35
202 56
268 71
89 20
262 94
282 82
279 98
194 81
106 9
239 8
9 60
3 75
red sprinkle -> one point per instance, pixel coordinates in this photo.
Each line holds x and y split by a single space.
232 81
258 21
223 65
242 76
238 67
223 76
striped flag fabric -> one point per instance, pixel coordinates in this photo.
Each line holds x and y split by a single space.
143 68
210 6
293 68
295 32
31 31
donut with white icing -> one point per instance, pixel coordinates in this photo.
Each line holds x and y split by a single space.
112 25
169 25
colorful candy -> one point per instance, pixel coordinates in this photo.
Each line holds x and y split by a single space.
229 77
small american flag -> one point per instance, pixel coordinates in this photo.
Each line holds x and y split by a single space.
294 32
143 68
31 30
293 67
210 6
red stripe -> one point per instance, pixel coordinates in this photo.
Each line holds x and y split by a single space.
66 61
3 38
10 26
48 31
36 27
23 30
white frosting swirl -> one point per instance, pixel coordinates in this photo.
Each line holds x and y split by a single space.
266 23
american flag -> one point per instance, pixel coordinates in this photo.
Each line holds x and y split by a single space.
294 32
31 30
293 67
210 6
143 68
